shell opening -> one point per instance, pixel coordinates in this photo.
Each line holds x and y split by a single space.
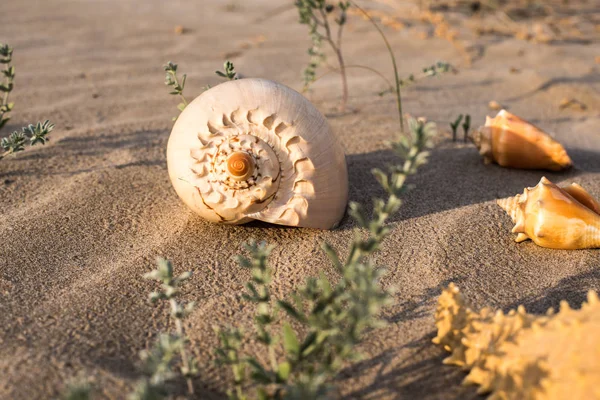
240 165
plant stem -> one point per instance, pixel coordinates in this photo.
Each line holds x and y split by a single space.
180 94
272 358
337 48
342 65
396 75
344 81
5 99
184 358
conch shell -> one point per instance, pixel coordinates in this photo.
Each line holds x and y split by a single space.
554 217
253 149
518 355
513 142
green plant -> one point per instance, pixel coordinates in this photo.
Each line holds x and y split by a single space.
466 127
229 71
7 86
29 135
158 368
330 317
317 14
454 125
228 353
177 85
159 364
170 286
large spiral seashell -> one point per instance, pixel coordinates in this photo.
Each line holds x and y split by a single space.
554 217
513 142
253 149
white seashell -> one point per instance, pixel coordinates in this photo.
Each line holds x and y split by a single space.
255 149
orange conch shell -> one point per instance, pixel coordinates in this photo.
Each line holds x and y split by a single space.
513 142
554 217
518 355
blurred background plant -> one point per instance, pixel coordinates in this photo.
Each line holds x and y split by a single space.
320 17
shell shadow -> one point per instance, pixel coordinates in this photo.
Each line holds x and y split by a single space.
421 305
420 374
572 289
144 146
454 177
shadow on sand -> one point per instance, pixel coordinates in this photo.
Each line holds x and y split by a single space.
421 371
454 177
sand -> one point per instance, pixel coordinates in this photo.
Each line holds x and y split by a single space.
85 216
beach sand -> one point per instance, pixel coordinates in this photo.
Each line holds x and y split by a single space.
84 217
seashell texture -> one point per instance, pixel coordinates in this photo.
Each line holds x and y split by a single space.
253 149
513 142
553 217
518 355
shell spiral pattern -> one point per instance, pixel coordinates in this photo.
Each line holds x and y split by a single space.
255 149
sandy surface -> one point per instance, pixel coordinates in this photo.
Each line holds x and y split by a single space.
85 216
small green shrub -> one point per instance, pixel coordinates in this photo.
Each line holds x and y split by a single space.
29 135
327 319
159 362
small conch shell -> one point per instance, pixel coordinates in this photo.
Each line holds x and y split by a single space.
554 217
513 142
253 149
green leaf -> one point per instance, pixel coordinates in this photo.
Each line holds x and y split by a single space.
258 373
381 177
283 371
290 340
357 212
291 310
332 255
308 344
